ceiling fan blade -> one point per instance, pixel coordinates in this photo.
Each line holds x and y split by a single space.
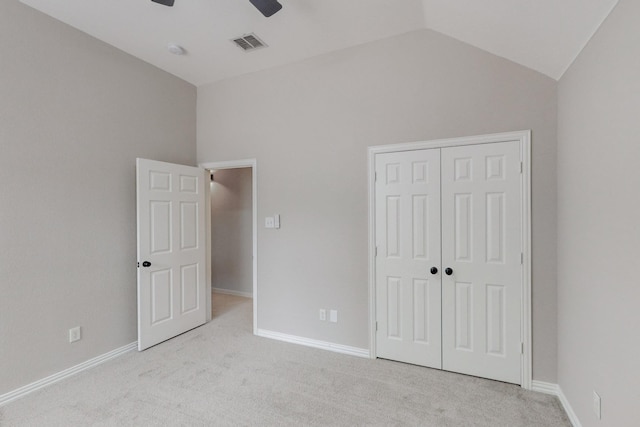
267 7
164 2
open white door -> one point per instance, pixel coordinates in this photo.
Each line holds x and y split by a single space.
171 250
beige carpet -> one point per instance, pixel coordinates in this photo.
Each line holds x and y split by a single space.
220 374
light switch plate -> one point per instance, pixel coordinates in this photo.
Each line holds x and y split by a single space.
597 405
75 334
269 222
276 221
333 316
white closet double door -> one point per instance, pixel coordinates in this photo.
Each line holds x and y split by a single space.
448 265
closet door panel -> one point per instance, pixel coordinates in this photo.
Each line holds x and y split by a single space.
481 244
407 200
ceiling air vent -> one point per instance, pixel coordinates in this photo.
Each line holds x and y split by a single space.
249 42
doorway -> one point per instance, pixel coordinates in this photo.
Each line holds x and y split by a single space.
232 231
450 255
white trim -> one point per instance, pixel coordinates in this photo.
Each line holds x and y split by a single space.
555 390
253 164
527 314
231 292
568 409
51 379
372 252
544 387
452 142
207 240
524 137
323 345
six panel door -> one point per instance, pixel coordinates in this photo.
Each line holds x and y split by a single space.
465 215
408 246
481 299
171 250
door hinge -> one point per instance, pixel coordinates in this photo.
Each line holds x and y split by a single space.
376 251
376 326
521 258
521 167
375 176
521 348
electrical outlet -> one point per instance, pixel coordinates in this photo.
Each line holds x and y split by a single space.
269 222
333 316
323 314
75 334
597 405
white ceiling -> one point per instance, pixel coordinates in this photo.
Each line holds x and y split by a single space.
545 35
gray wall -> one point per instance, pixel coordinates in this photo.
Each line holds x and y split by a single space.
598 231
309 125
74 115
232 231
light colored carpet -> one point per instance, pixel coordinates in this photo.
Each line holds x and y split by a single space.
220 374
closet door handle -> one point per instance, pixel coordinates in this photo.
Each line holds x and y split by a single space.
434 270
448 271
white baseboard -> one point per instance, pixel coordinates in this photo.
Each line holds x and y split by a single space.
544 387
37 385
554 389
230 292
568 409
324 345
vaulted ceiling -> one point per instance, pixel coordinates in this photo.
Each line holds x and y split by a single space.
545 35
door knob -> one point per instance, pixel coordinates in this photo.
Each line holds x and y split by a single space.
146 264
434 270
448 271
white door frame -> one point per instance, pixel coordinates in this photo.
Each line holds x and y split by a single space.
524 138
234 164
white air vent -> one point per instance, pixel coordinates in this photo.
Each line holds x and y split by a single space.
249 42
